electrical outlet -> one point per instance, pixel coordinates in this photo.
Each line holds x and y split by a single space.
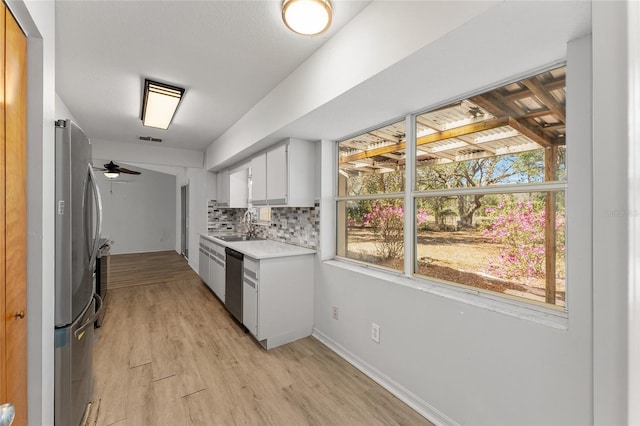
375 332
335 313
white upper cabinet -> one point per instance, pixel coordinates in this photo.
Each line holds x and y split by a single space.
222 187
284 175
233 187
239 187
278 175
259 180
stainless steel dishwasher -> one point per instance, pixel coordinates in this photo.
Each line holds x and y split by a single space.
233 283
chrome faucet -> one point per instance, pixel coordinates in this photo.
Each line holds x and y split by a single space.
249 222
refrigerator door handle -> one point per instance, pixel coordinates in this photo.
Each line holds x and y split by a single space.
89 323
98 201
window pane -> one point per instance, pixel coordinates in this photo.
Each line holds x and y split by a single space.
526 167
508 243
373 163
372 231
504 136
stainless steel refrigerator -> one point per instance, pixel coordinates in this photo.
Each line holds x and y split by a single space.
78 222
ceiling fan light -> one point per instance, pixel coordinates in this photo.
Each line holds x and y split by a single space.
159 104
110 174
307 17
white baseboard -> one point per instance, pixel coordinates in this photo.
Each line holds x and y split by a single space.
403 394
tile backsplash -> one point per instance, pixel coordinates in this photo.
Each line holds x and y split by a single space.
293 225
222 219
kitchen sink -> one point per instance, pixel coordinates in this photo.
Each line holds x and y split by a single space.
232 238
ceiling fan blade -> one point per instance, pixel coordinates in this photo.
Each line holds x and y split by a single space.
113 167
110 166
127 171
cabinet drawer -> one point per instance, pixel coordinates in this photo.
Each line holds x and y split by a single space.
251 265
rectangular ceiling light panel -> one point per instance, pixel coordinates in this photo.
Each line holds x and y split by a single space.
159 104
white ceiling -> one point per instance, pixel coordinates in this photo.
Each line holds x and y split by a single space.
227 54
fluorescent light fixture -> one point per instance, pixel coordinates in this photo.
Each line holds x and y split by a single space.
111 175
159 104
307 17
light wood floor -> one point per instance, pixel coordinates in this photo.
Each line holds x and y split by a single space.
169 354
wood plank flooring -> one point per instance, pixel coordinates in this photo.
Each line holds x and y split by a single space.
128 270
168 353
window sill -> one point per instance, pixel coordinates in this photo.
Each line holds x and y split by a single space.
522 310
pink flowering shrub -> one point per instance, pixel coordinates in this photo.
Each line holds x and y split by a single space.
387 221
520 229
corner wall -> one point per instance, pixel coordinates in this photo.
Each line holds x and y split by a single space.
462 364
139 212
610 212
202 188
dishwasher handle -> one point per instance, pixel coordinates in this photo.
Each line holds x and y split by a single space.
233 253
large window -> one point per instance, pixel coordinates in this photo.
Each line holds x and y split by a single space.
487 200
371 190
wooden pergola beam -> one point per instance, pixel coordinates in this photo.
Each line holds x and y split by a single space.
497 107
538 89
530 131
434 137
550 160
559 83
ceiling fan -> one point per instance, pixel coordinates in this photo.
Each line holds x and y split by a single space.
111 170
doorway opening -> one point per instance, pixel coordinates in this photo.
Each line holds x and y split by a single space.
184 220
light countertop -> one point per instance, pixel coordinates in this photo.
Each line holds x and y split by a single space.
262 249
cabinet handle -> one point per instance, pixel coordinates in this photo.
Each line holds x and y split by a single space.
19 315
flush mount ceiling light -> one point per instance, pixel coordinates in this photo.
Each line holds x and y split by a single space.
159 104
111 175
307 17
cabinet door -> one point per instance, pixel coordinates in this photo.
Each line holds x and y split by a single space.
259 180
220 277
250 306
238 188
212 270
216 273
277 175
222 187
203 264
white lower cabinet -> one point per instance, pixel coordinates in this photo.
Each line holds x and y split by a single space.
278 298
250 304
216 270
211 266
203 261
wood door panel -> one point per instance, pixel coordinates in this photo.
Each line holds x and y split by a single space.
16 216
3 364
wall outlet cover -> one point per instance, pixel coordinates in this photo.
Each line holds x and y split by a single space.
375 332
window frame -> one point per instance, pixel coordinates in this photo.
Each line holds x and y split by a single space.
382 196
546 313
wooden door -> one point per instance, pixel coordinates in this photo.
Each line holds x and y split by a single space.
13 217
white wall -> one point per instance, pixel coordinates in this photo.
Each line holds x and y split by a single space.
459 363
202 188
139 212
610 212
147 153
634 218
63 112
381 35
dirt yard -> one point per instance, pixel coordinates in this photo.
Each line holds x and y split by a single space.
457 256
